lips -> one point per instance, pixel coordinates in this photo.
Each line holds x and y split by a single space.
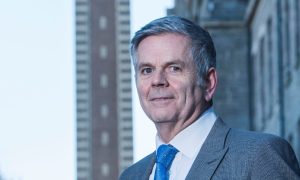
161 98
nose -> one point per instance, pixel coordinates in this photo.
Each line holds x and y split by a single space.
159 79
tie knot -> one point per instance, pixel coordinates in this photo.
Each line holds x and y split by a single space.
165 155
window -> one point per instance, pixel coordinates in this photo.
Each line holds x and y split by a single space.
129 119
105 169
129 158
125 41
104 111
103 80
126 99
125 51
124 12
125 90
270 67
103 52
102 22
256 93
298 139
125 22
127 148
288 73
262 80
124 3
297 26
125 32
104 138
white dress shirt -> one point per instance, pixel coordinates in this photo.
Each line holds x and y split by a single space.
188 142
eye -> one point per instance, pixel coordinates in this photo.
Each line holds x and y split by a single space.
174 68
146 70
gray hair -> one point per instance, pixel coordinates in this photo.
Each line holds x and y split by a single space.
201 45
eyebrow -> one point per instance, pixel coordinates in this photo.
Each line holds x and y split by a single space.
144 65
176 61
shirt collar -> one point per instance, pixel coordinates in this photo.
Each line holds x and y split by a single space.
190 140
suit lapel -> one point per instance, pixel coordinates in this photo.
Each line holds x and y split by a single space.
211 153
149 167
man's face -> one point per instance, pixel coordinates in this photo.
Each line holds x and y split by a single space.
166 79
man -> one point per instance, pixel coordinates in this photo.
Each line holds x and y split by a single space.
175 72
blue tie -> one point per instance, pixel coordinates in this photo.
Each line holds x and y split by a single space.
164 157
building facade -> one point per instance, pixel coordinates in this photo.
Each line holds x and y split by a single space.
258 60
103 89
274 26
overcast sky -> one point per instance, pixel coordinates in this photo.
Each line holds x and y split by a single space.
37 90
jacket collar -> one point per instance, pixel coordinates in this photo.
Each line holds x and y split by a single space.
211 153
149 167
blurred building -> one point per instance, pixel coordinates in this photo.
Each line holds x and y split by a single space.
258 60
103 89
274 28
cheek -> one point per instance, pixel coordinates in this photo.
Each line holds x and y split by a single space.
142 91
182 89
187 93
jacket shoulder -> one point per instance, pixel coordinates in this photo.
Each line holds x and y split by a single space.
257 139
265 153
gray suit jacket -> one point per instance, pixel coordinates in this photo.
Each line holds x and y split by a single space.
233 154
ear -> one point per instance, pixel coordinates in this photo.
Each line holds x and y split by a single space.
211 84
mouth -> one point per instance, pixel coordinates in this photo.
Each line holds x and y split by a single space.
161 99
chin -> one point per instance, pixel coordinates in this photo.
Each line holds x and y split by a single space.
160 115
160 119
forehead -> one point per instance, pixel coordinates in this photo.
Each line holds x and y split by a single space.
167 45
166 39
